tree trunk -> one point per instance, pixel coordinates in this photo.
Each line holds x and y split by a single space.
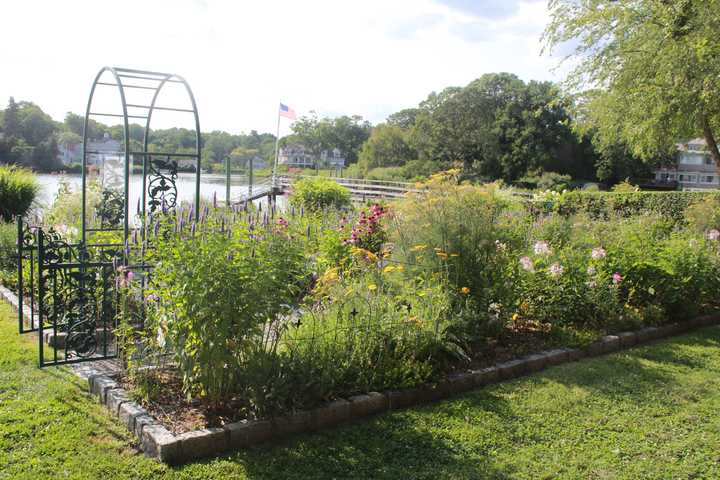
710 141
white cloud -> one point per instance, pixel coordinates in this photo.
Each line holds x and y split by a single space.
368 58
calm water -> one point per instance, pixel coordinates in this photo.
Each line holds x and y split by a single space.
209 184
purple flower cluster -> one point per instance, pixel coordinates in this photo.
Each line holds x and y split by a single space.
367 233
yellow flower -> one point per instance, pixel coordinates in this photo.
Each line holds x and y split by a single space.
442 255
465 290
515 317
372 287
418 248
454 254
389 269
400 268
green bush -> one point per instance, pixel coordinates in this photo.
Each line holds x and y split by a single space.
318 193
704 214
8 254
18 190
603 205
469 232
218 296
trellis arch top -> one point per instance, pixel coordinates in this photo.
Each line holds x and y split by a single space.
138 92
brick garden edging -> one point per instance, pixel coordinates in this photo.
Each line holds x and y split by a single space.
158 442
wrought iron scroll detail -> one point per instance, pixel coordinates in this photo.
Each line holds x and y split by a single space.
162 188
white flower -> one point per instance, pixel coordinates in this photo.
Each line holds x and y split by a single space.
500 246
160 337
713 235
556 269
542 248
591 270
598 253
527 264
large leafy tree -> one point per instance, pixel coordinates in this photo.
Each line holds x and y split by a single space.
647 71
499 127
387 146
345 133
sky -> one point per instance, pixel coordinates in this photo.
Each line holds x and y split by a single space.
241 57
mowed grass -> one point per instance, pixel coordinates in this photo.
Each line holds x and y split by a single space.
651 412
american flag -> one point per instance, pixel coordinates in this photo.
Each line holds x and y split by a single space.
287 112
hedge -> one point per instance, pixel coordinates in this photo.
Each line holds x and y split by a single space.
602 205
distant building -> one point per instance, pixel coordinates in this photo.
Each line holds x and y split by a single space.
695 168
296 155
70 153
98 151
332 158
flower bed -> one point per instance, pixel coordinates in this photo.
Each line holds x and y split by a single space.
260 313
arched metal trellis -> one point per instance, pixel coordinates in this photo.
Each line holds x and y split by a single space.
71 281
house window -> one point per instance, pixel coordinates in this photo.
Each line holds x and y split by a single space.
708 179
688 178
708 160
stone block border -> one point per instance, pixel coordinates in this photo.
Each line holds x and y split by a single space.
158 442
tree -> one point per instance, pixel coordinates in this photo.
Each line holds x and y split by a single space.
36 125
500 127
387 147
647 70
11 126
344 133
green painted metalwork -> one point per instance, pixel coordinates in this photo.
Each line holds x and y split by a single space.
71 288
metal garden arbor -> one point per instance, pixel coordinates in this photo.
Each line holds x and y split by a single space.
70 284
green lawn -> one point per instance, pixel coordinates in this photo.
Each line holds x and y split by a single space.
652 412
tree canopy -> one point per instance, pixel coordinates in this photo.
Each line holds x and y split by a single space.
647 73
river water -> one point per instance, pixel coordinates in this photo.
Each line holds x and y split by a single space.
210 184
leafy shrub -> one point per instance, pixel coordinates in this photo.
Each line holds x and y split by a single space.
8 253
317 193
468 231
18 190
703 215
603 205
546 181
373 332
216 295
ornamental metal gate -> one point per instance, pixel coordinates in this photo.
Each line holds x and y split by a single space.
69 279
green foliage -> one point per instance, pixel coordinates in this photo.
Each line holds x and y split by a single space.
656 64
546 181
66 209
344 133
18 190
467 231
501 127
703 215
373 332
601 205
221 346
388 146
8 254
317 193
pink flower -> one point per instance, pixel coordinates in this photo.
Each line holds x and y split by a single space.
542 248
598 253
282 222
713 235
556 269
527 264
617 278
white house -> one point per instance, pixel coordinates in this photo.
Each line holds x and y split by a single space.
296 155
695 168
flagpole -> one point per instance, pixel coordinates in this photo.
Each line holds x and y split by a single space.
277 151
